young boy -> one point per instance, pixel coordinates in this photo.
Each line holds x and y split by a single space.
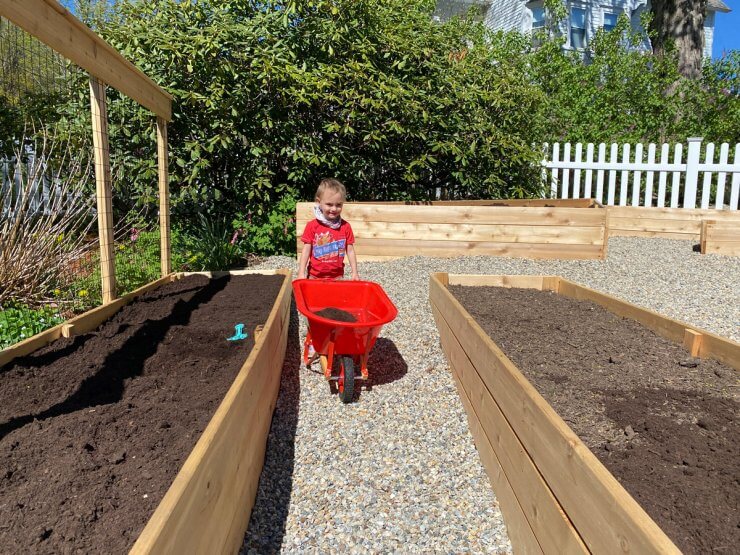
327 238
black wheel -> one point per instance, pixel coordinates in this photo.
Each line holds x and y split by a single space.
346 383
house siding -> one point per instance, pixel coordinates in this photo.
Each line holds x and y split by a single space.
508 15
708 34
513 15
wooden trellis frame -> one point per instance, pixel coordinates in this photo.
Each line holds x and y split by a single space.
56 27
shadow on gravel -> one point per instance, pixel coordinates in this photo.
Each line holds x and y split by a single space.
270 513
386 364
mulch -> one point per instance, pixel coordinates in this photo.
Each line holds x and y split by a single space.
93 429
663 423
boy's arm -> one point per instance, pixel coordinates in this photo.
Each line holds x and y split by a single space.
353 261
303 262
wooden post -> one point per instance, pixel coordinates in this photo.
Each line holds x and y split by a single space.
103 187
692 342
164 196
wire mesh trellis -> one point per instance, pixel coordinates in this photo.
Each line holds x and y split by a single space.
28 66
50 256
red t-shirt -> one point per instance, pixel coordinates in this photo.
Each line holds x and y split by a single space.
327 248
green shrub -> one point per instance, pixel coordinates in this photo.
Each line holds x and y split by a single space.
626 95
209 244
269 97
272 232
19 322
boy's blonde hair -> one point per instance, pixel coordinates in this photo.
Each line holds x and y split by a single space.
331 184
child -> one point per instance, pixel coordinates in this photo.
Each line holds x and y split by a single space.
327 238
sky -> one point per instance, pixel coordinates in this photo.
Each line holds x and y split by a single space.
727 29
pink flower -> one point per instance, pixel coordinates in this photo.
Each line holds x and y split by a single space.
134 234
234 237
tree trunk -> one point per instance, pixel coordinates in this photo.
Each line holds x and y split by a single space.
680 22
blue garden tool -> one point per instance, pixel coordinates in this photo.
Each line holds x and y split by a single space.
238 333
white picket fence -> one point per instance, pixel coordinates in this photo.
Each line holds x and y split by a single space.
33 174
630 180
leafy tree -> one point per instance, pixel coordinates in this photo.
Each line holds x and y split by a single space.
271 96
625 95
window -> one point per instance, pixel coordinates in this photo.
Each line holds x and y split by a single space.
538 18
577 28
610 21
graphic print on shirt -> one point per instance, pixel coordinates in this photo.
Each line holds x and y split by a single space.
325 248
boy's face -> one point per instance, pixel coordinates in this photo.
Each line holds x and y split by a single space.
331 203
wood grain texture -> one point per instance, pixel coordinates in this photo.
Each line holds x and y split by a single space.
103 188
720 237
606 517
457 229
520 532
207 508
537 505
667 223
163 180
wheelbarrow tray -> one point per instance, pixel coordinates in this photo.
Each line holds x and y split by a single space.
365 300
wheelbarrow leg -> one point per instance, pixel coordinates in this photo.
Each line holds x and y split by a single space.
329 360
363 365
308 358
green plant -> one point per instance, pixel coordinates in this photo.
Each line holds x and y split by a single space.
272 96
137 262
272 232
19 322
624 94
38 247
209 244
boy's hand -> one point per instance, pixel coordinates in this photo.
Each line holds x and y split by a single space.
355 276
301 275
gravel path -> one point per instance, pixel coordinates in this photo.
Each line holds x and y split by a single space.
397 471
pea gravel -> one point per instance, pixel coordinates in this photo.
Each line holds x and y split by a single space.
397 470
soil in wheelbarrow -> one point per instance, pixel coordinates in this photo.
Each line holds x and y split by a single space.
337 314
94 429
663 423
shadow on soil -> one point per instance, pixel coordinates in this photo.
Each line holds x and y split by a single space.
107 384
270 513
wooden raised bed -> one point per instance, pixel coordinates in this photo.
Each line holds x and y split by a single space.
667 223
556 496
531 202
208 506
385 231
720 237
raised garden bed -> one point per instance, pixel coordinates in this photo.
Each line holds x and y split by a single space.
146 432
526 229
720 237
666 223
648 459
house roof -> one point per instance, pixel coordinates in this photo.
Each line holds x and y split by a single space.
718 6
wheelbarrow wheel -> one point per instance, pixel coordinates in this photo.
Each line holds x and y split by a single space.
346 382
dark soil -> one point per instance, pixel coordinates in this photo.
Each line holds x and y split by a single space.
663 423
336 314
94 429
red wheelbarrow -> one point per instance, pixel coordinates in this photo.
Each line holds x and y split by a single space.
351 342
